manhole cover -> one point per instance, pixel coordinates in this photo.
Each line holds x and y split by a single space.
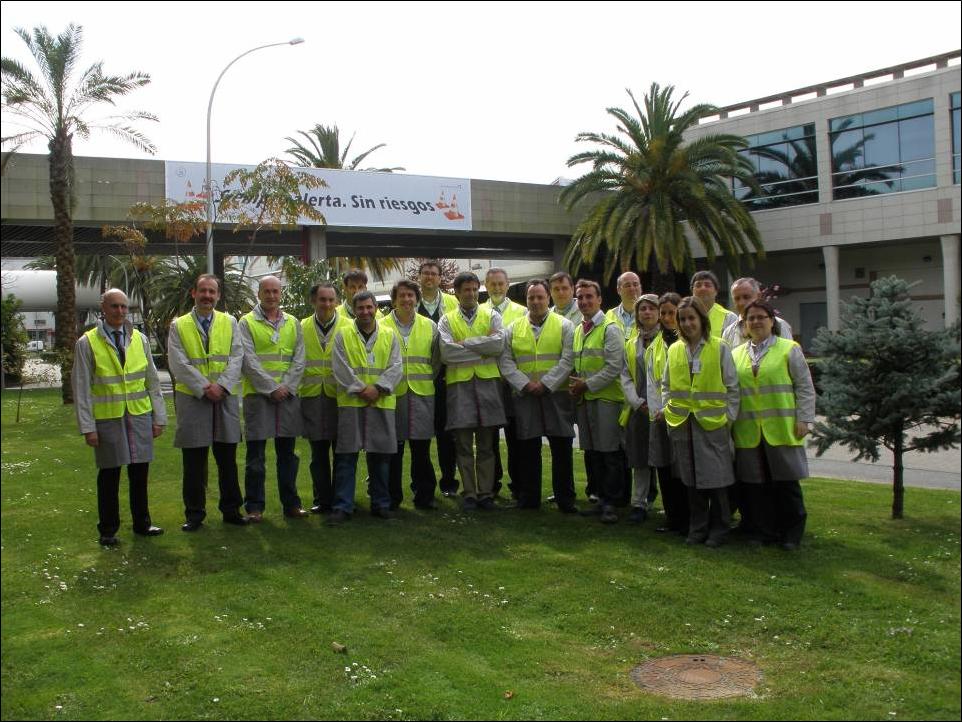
688 676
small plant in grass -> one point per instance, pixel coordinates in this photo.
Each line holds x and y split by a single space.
886 381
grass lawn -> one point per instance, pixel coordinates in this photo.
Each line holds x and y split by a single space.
444 614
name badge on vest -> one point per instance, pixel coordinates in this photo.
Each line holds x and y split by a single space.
696 366
370 358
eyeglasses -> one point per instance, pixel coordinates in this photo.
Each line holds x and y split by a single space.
757 319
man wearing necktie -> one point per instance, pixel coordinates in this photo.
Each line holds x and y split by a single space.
206 355
120 411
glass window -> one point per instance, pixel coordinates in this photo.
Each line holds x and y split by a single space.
955 99
883 151
785 168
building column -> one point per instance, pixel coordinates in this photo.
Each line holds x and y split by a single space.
950 277
317 244
558 253
832 293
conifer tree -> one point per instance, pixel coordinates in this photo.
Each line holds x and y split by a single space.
886 381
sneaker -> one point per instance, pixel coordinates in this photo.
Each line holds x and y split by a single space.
593 498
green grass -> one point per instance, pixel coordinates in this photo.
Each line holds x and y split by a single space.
442 613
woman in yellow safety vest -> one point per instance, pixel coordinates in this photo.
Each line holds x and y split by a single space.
700 395
674 497
634 414
777 409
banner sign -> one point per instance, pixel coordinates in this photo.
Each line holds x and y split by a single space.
352 198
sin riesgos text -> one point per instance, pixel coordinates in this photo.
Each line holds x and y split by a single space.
380 204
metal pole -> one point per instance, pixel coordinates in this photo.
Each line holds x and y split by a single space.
207 180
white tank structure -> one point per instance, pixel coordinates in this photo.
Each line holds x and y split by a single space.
37 290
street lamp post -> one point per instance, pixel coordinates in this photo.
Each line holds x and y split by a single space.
208 187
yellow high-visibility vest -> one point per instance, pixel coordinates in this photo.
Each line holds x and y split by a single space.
631 348
534 357
590 359
117 390
512 312
767 400
614 316
656 356
367 367
702 394
318 375
716 317
416 353
484 368
275 356
212 361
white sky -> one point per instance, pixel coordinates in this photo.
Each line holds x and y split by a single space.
470 90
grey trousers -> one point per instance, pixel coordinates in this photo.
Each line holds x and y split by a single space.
475 453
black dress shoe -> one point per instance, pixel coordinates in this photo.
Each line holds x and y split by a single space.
427 506
191 525
237 520
382 513
337 517
149 531
567 508
109 541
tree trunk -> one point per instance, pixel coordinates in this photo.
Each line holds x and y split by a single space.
898 488
61 196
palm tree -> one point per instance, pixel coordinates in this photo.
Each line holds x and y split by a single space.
55 104
647 182
323 150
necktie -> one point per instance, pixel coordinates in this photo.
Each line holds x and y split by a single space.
586 326
205 324
121 354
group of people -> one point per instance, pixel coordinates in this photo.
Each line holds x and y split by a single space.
678 393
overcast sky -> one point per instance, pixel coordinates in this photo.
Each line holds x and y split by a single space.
470 90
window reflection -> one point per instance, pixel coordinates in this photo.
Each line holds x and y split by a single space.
785 165
883 151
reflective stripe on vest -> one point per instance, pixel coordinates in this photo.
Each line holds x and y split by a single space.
702 394
483 368
590 359
367 370
416 352
767 400
210 363
275 356
536 356
318 375
118 390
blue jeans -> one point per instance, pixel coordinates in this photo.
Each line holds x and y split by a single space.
255 473
345 480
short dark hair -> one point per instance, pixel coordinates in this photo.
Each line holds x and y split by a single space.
363 296
767 308
355 274
562 276
585 282
409 285
319 285
536 282
465 277
206 277
435 264
698 307
670 297
702 276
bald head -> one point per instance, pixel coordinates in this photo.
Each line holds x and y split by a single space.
629 289
269 294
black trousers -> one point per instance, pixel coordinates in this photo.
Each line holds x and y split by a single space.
322 473
423 478
108 498
562 471
777 510
447 456
195 481
514 472
608 470
710 515
674 498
